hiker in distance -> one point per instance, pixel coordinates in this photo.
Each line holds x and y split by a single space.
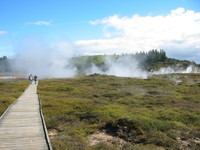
30 78
35 79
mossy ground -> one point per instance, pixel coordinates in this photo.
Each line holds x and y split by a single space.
10 90
147 113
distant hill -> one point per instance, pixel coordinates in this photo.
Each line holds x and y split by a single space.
147 62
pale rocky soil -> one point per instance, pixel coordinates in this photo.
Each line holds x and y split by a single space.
101 137
52 133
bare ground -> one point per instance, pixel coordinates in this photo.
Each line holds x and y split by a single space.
102 137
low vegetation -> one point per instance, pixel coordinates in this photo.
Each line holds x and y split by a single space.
10 90
161 112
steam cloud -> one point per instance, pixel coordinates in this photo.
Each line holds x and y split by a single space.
170 70
129 67
123 67
34 57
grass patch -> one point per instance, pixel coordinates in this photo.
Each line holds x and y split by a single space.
10 90
146 113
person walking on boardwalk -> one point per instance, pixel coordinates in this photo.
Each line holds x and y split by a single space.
35 79
30 78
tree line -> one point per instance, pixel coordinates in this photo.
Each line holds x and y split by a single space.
4 64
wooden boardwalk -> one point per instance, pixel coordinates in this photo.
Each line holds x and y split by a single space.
22 126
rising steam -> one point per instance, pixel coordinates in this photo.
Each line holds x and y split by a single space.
129 67
123 67
55 62
36 58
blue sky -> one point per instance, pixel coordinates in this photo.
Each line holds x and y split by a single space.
71 21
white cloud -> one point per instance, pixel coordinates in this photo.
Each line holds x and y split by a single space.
40 23
3 32
177 32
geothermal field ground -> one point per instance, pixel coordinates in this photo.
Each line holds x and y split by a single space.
109 112
112 74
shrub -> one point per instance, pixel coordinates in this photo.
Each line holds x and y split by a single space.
65 88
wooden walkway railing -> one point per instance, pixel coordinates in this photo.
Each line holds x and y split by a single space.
22 126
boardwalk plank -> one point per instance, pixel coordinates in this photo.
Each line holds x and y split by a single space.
21 127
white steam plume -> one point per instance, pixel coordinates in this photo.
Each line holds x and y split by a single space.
177 69
126 66
34 57
45 61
